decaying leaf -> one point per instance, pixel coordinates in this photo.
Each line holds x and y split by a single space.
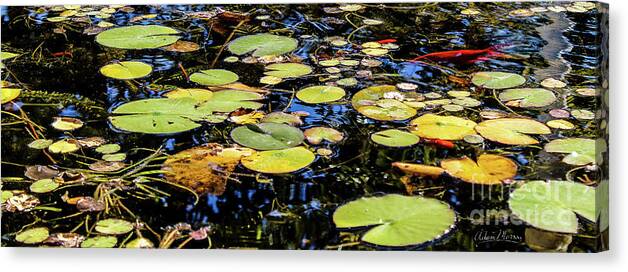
204 169
488 170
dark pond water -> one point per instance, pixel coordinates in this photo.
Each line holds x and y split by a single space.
59 72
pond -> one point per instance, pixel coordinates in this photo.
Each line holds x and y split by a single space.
417 126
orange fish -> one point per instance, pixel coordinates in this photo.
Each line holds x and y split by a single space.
385 41
467 56
441 143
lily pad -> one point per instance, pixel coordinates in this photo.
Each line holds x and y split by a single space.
395 138
66 123
497 80
553 205
528 97
316 135
287 70
512 131
279 161
373 103
231 100
114 226
108 148
396 220
434 126
126 70
100 242
580 151
162 116
214 77
282 118
138 37
200 95
44 186
40 144
267 136
204 169
320 94
32 235
63 146
140 243
8 94
262 45
116 157
488 170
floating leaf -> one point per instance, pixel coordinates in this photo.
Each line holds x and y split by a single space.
279 161
100 242
138 37
262 45
396 220
560 124
114 226
488 170
162 115
63 146
32 235
21 202
126 70
395 138
8 94
114 157
583 114
375 51
40 144
108 148
140 243
553 205
320 94
372 103
44 186
282 118
267 136
287 70
66 123
37 172
200 95
528 97
106 166
511 131
434 126
316 135
231 100
182 47
497 80
553 83
580 151
204 169
214 77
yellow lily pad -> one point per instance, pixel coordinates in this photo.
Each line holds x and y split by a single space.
512 131
8 94
279 161
488 170
434 126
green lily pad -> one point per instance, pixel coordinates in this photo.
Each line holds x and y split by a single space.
114 226
63 146
372 103
100 242
316 135
140 243
5 196
262 45
214 77
395 138
231 100
497 80
126 70
287 70
162 116
40 144
553 205
43 186
8 94
279 161
434 126
108 148
512 131
580 151
32 235
320 94
114 157
138 37
528 97
200 95
396 220
267 136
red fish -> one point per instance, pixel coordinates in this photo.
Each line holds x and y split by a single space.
385 41
441 143
62 54
466 56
